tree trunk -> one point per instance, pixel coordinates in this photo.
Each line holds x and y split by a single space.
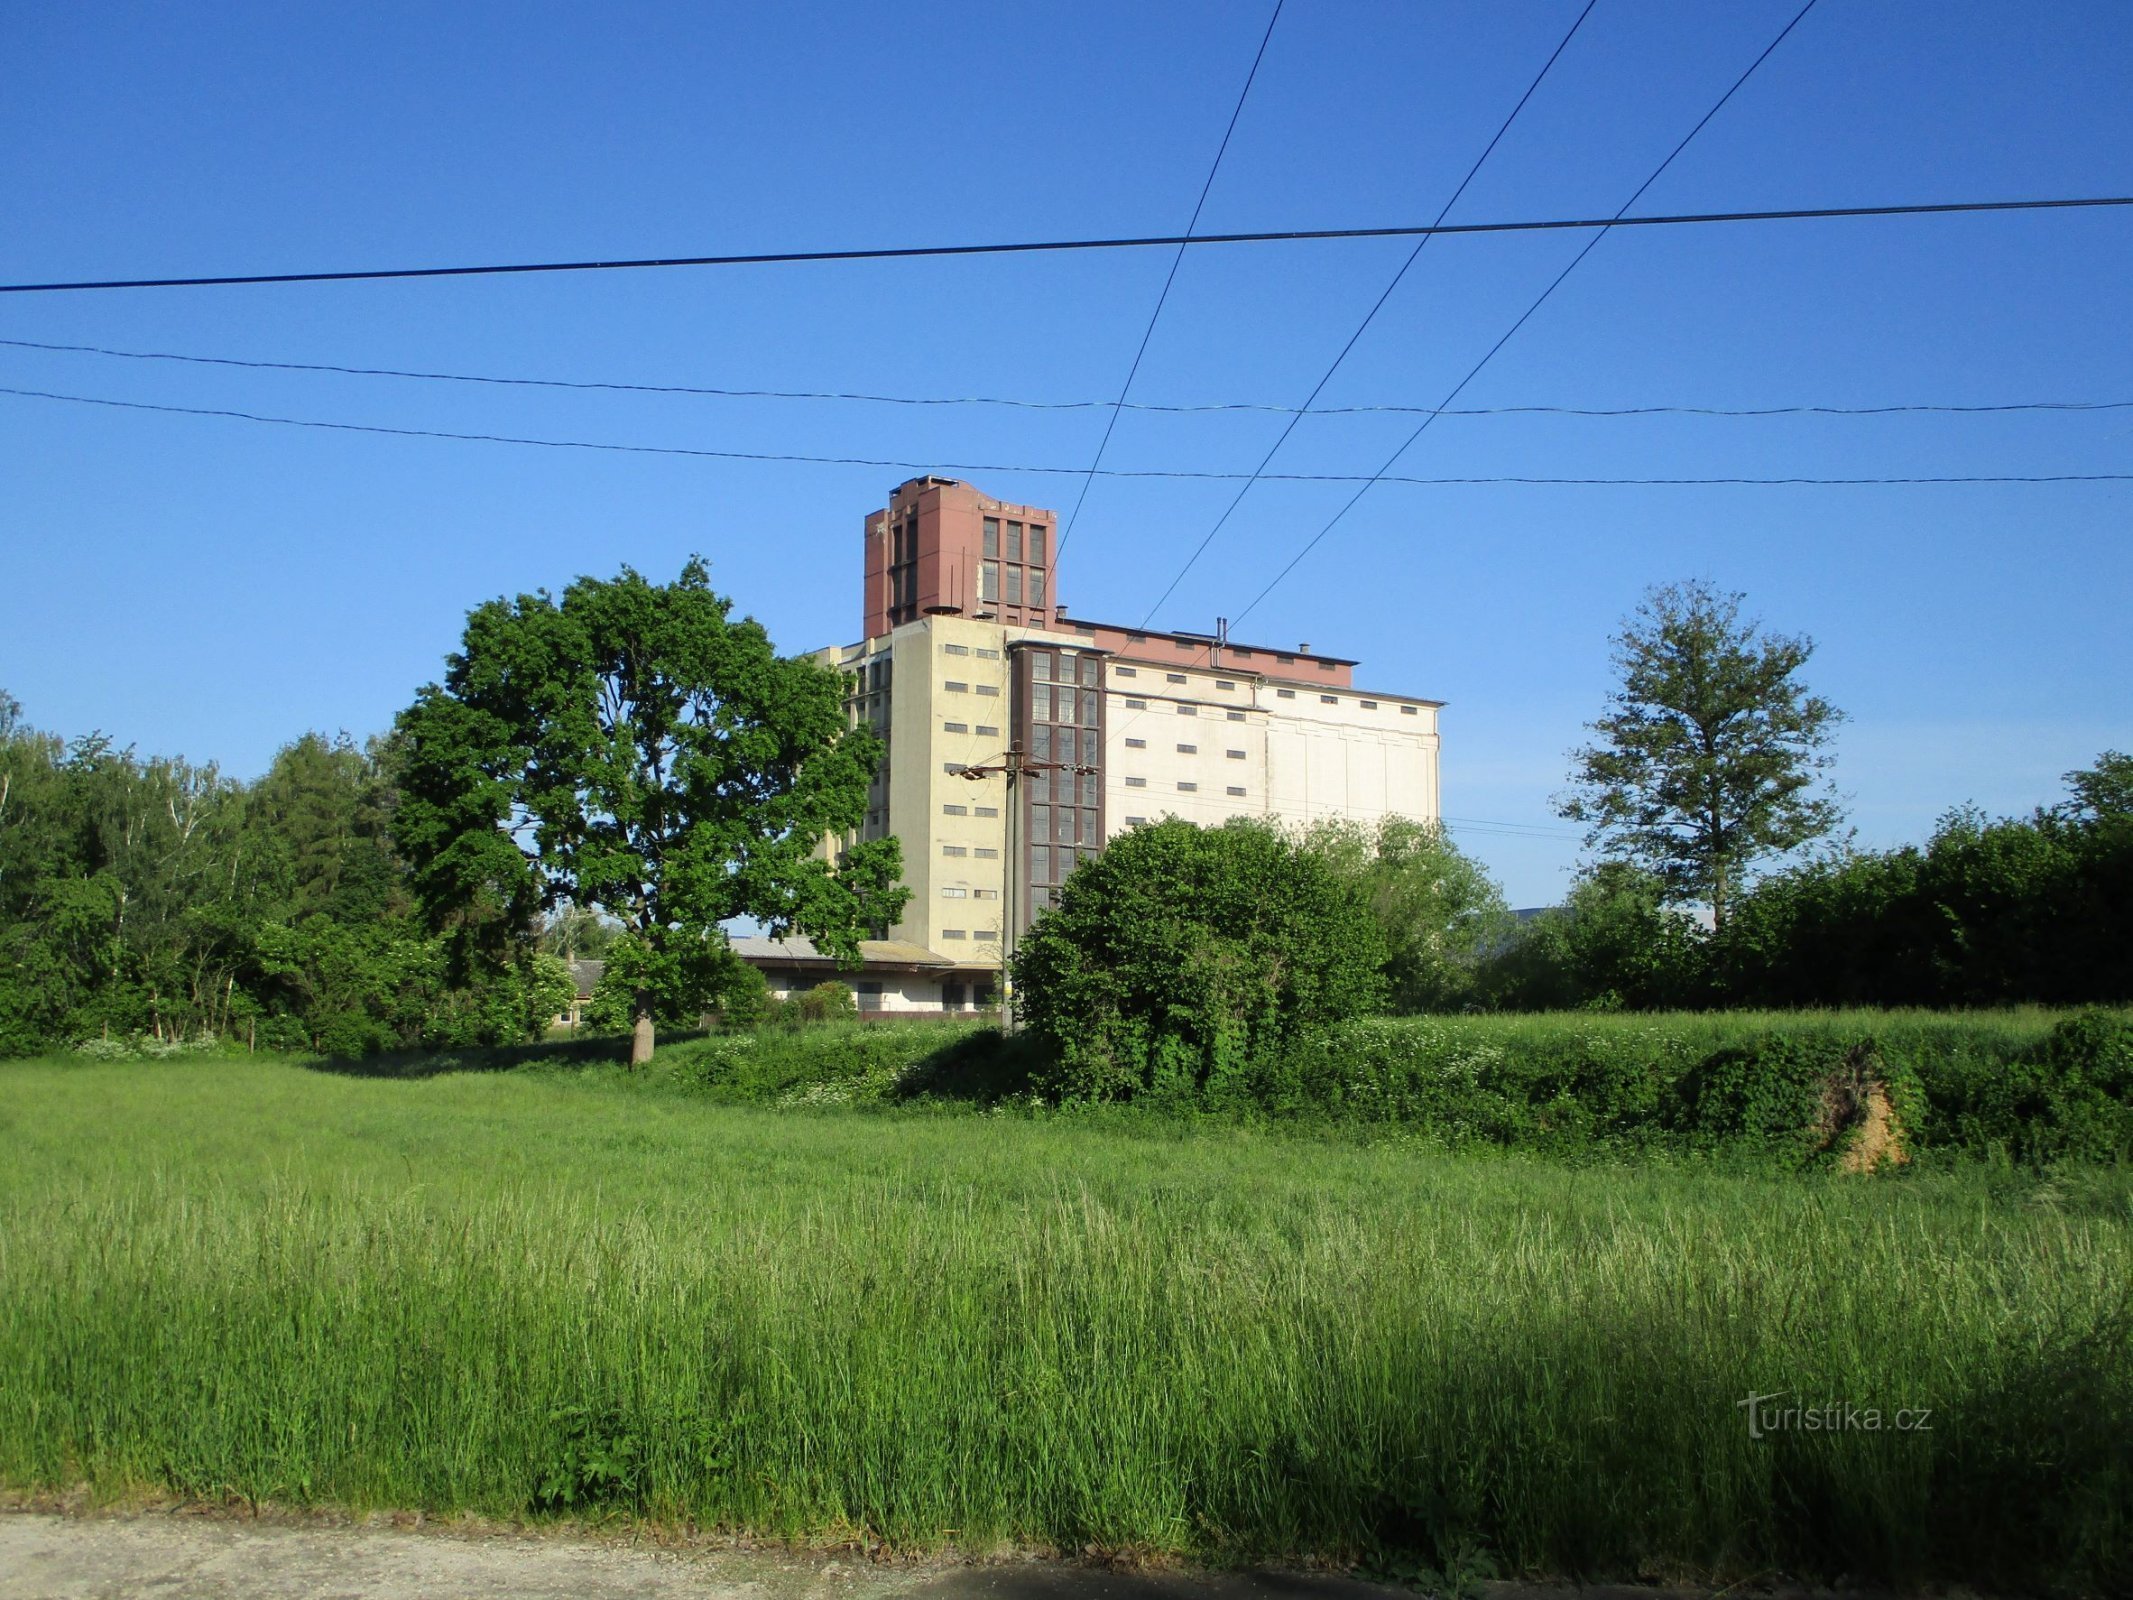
641 1029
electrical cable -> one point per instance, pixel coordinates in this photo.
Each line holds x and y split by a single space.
1050 471
1899 409
1040 246
1542 299
1066 532
1370 316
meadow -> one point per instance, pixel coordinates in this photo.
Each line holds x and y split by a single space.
565 1291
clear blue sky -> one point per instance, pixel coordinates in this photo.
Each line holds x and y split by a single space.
214 588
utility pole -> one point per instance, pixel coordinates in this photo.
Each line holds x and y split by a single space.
1011 766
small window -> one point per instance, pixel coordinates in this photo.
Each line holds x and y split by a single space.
955 811
1329 699
988 811
1234 755
1240 652
956 688
1236 716
1040 702
953 767
988 933
955 649
984 894
1369 705
1224 683
988 581
954 933
955 727
1136 705
1173 677
1279 657
1286 694
954 850
1236 791
987 655
1124 672
986 852
1136 783
1040 863
1014 586
1136 822
1040 665
955 894
1014 543
1136 744
988 688
1036 587
1036 543
1188 711
1186 787
987 733
1188 749
1407 711
992 536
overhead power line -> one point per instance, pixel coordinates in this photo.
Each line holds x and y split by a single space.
1899 409
770 258
1369 316
891 464
1526 316
1066 532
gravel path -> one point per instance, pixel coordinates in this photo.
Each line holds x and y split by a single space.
54 1557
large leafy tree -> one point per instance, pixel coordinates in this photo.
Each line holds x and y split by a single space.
632 747
1712 754
1437 907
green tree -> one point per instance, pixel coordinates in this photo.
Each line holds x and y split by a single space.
1711 754
1182 959
1437 908
633 748
2103 791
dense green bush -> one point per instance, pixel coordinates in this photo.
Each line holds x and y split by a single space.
1184 962
2023 1086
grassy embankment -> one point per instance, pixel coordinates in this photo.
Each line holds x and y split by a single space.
574 1290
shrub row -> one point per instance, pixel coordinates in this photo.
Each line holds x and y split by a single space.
1788 1088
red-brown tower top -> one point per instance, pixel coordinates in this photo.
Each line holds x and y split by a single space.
939 546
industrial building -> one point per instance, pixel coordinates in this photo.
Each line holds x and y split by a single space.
1021 738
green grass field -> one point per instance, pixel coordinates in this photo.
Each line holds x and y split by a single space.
563 1288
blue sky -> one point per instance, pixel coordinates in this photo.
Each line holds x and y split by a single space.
214 587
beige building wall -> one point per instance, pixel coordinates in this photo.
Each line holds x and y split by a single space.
1210 745
1205 745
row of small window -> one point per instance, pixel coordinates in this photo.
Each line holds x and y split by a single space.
1060 744
969 811
989 585
963 688
1056 702
963 727
1170 677
964 933
1065 824
1044 669
970 894
1185 709
1185 786
983 852
982 653
1054 863
1183 749
991 537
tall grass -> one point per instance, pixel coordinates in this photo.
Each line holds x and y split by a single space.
503 1291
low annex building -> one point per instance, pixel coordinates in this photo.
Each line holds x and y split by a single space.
1020 739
